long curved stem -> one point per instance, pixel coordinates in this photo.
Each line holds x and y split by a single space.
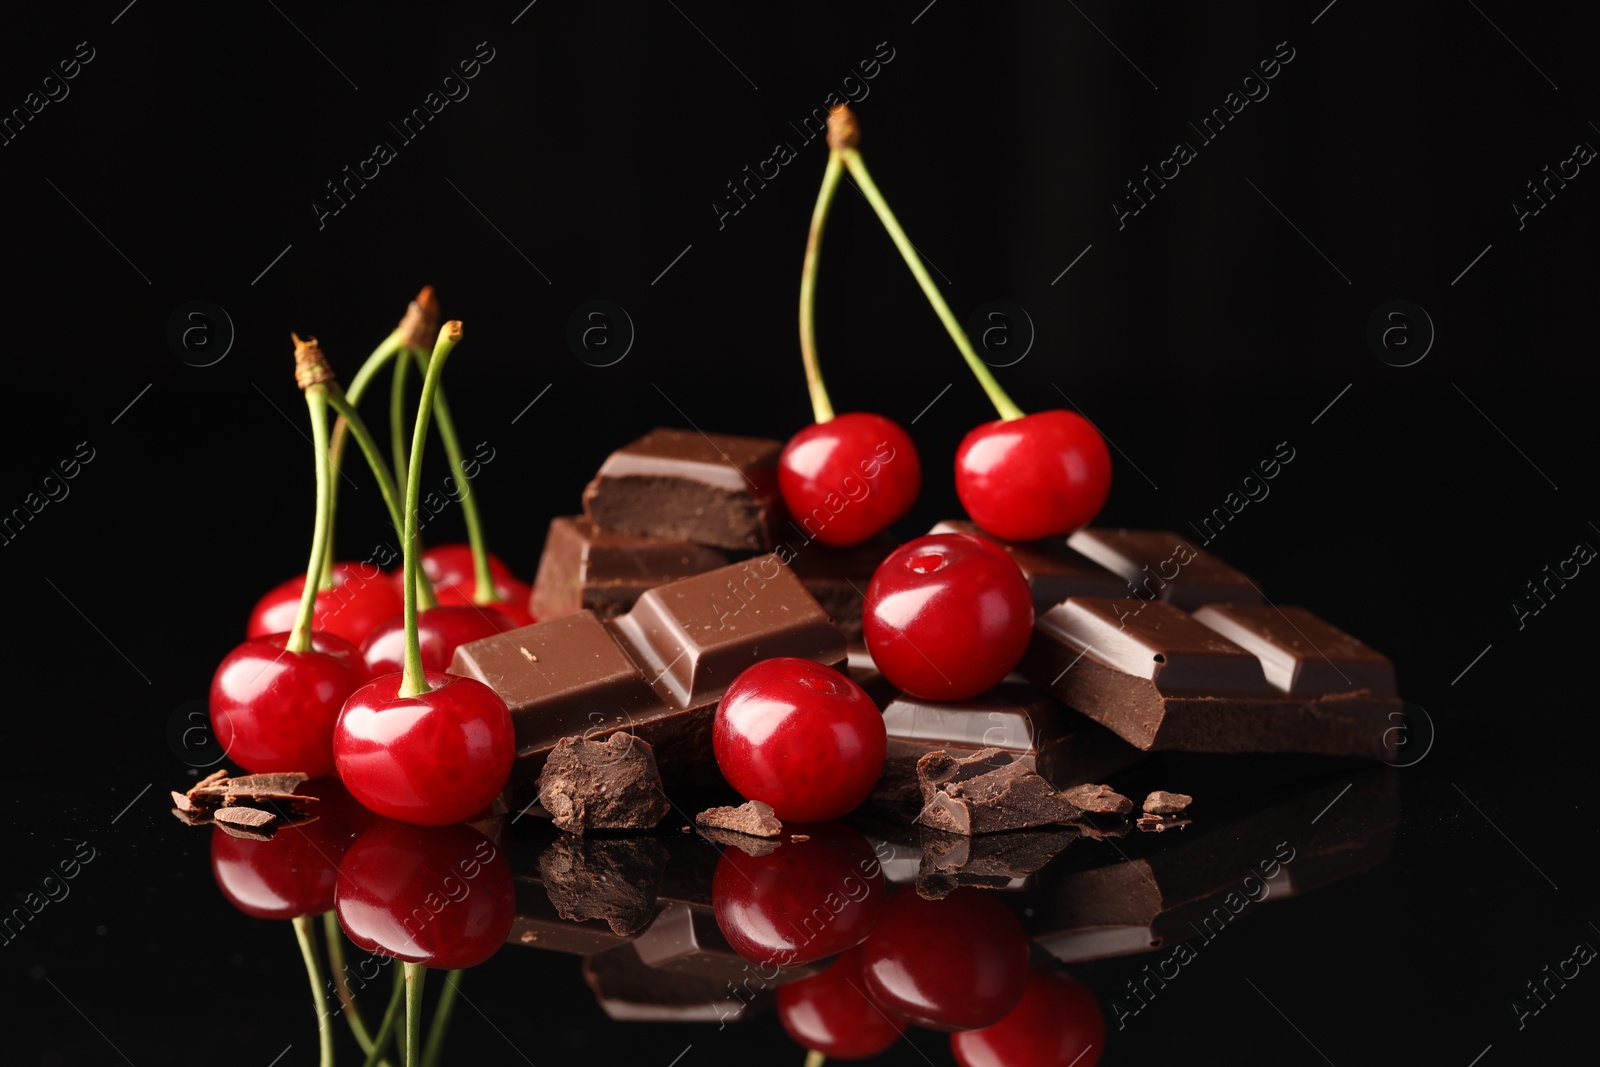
415 681
441 1019
391 1019
482 576
357 389
821 406
397 413
308 952
300 636
416 973
997 396
334 940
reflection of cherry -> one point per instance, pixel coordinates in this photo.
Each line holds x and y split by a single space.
854 474
802 902
1037 476
440 896
353 608
274 710
1057 1022
450 569
947 616
440 631
831 1013
293 872
952 964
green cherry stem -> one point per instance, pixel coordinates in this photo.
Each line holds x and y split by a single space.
391 1019
441 1019
308 952
397 411
483 576
311 372
334 939
815 1059
379 358
414 681
821 406
997 396
416 973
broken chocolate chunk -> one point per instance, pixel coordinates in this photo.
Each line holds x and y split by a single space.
752 817
613 879
987 791
602 785
1099 799
1161 802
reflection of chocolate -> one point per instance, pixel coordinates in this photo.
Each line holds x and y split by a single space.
1195 883
683 485
986 792
1229 678
685 939
613 879
586 568
992 861
656 672
630 990
602 785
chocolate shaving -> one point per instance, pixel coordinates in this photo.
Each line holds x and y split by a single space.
1099 799
752 817
1161 802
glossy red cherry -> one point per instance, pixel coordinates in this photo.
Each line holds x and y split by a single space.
953 964
947 616
1043 474
831 1013
292 873
436 895
450 569
361 598
1056 1024
803 901
440 630
801 737
847 479
433 759
274 710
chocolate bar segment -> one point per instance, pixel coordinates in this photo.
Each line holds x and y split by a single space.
1158 564
1299 652
838 577
583 567
1160 679
1054 570
683 485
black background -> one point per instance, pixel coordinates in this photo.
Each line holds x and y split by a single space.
1204 332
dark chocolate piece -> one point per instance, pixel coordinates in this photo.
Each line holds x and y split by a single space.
585 568
990 861
683 485
685 939
752 817
1063 746
656 672
611 879
838 577
630 990
986 792
1099 800
1054 570
1163 680
1299 653
1161 565
538 924
1161 802
602 785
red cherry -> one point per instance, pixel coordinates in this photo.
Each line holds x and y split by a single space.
450 569
801 737
514 609
274 710
1056 1024
831 1013
292 873
440 630
846 479
352 609
947 616
802 902
437 895
953 964
1043 474
433 759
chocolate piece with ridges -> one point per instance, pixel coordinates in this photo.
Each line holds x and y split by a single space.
986 792
683 485
1158 564
602 785
1054 570
1300 653
586 568
1162 680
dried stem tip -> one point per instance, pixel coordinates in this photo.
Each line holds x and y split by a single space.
451 330
843 129
421 322
310 365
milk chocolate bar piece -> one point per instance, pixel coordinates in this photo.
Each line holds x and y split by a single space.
838 577
683 485
1161 565
1163 679
1054 570
656 672
586 568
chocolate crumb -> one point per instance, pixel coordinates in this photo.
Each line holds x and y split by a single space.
1159 823
1161 802
752 817
602 785
799 837
1099 799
